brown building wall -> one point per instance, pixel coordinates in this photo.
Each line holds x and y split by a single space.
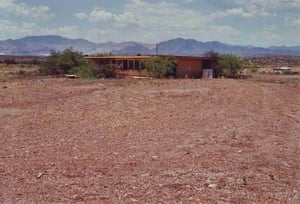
189 68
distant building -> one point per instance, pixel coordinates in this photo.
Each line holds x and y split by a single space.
187 66
281 70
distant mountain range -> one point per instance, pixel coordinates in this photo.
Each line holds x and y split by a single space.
43 45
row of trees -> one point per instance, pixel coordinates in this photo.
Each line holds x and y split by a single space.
71 62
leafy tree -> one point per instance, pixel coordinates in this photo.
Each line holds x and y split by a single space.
231 65
212 53
86 70
104 54
249 68
108 71
161 66
50 65
69 62
70 59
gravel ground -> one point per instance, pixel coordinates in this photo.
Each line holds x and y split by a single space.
149 141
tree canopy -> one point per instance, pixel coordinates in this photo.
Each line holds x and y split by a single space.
212 54
69 62
231 65
161 66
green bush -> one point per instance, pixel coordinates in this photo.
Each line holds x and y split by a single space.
107 71
161 66
85 71
212 54
250 68
231 66
70 59
69 62
50 67
35 62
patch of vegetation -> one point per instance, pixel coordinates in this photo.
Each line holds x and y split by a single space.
34 62
250 68
9 61
22 74
231 66
28 66
161 66
72 62
104 54
212 54
289 72
87 70
108 71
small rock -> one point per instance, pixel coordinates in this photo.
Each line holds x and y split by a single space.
145 175
212 185
133 200
271 176
78 197
240 151
154 157
4 87
40 174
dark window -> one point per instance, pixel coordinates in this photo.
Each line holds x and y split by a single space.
131 64
143 65
125 64
206 64
137 64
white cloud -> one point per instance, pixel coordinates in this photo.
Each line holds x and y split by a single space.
268 7
290 21
23 10
17 30
259 8
81 16
101 15
235 21
153 22
233 12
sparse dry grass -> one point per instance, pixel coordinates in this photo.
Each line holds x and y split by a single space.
16 71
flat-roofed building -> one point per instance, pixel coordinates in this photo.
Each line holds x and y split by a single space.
187 66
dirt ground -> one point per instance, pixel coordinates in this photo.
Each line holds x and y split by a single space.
149 141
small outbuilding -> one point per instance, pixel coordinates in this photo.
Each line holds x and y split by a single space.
281 70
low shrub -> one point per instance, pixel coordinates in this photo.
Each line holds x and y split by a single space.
161 66
69 62
107 71
84 71
231 66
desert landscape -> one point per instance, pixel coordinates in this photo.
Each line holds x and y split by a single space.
150 140
150 102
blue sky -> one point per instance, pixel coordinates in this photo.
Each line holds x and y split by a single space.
246 22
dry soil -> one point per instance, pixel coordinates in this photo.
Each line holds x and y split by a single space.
149 141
